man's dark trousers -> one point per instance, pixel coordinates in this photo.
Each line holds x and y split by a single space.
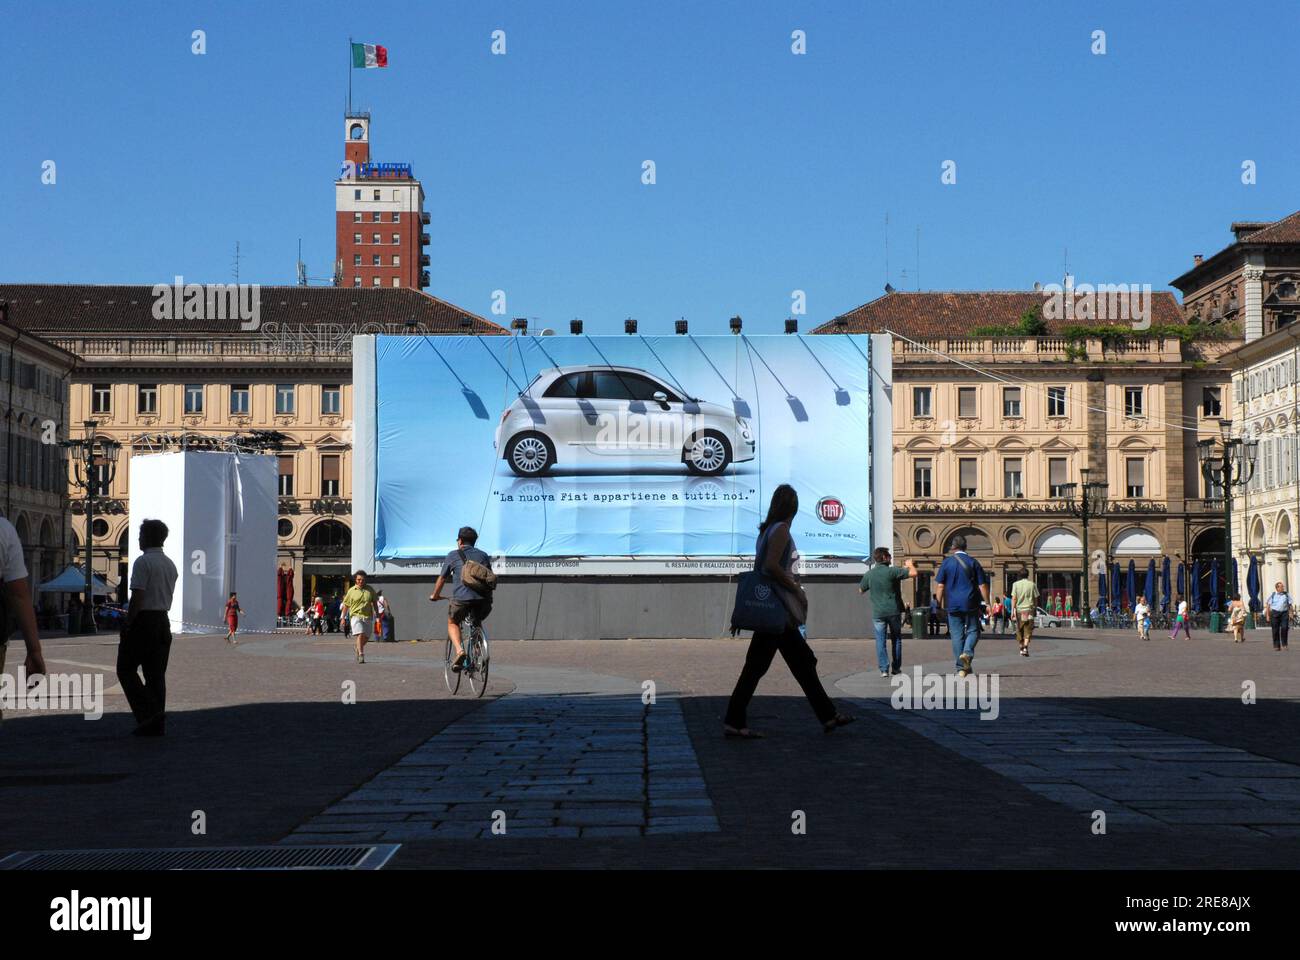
146 647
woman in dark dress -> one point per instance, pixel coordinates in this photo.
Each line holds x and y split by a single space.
776 548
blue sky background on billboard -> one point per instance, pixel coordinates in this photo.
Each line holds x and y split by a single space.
612 481
774 171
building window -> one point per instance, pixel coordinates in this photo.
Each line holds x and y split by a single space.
921 478
376 194
1012 478
1133 402
356 281
1212 401
101 398
396 216
356 217
286 476
147 398
374 260
966 402
239 400
1057 476
284 398
374 217
1135 473
967 472
284 528
329 476
397 281
397 238
374 238
194 398
356 259
1056 401
356 238
376 282
1010 401
397 260
330 398
921 406
356 195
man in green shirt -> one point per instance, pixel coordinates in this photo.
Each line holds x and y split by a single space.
1024 599
359 602
882 581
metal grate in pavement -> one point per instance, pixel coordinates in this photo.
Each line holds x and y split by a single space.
315 857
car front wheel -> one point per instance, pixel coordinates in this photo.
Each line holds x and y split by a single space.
708 454
530 455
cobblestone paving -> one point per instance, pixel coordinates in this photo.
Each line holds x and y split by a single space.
552 766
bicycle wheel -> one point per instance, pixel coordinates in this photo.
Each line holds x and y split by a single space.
452 678
479 678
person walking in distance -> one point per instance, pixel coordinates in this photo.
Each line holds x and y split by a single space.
1142 618
1237 619
232 617
16 608
146 637
882 582
1278 611
775 552
1024 606
962 586
1181 619
464 600
934 616
359 602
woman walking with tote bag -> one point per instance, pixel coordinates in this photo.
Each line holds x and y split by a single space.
774 556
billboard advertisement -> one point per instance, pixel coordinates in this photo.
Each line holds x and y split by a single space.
615 447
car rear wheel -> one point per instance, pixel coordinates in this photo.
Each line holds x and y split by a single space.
708 454
530 454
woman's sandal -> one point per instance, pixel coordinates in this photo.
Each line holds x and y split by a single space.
743 733
839 720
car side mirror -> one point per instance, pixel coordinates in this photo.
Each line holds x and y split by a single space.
661 398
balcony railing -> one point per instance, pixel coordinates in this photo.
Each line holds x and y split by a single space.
1039 349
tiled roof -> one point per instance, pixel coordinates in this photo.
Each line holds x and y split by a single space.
88 309
1286 230
955 313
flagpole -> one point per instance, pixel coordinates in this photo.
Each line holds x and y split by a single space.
349 75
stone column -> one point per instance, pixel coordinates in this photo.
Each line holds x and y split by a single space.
1253 275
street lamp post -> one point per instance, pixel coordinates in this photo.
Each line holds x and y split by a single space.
1229 461
90 454
1087 500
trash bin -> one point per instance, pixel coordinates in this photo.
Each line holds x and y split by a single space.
1216 622
919 618
1250 621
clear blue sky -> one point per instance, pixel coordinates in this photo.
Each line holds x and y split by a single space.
774 171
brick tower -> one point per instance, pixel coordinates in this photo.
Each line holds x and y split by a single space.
379 217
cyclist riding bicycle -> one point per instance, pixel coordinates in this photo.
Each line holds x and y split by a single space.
464 601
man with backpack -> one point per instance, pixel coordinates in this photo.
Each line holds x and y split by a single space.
472 581
962 587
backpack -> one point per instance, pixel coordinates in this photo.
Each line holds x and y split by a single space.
475 576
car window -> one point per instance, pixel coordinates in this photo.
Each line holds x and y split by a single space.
611 385
567 386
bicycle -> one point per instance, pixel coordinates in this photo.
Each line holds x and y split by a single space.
474 642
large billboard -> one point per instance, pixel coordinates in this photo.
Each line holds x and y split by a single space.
563 450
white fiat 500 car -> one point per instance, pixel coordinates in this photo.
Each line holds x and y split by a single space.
618 417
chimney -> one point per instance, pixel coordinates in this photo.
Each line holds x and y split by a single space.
1197 259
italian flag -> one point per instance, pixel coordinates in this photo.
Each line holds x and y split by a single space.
367 55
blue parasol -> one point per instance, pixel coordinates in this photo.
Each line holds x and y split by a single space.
1132 583
1164 585
1182 581
1214 584
1149 591
1196 585
1252 584
1116 587
1101 591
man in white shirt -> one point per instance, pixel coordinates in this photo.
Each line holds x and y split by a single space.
16 608
146 639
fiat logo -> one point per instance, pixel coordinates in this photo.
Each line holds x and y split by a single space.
830 510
